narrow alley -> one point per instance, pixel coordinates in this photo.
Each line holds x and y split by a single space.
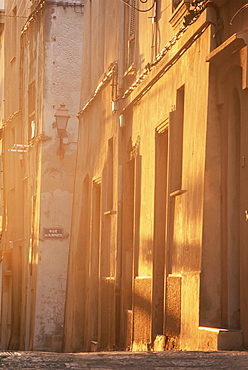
123 184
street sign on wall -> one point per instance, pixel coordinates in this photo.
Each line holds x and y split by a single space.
52 233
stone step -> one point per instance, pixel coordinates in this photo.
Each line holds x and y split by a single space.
42 349
54 342
214 339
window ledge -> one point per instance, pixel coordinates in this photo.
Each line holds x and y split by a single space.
130 71
179 13
177 192
109 213
12 60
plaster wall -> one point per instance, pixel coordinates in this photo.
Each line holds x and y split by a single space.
62 58
222 301
136 143
210 283
1 107
97 133
38 189
2 74
185 254
101 22
12 237
12 54
178 96
189 205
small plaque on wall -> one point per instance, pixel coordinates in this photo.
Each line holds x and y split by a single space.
52 233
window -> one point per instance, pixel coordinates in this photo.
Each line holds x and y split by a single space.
175 3
130 21
176 142
13 33
12 166
110 175
180 9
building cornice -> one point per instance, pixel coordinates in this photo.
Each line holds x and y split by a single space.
39 7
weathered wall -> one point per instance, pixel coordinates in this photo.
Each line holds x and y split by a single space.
91 235
222 293
38 188
1 100
58 65
184 215
12 237
126 236
164 229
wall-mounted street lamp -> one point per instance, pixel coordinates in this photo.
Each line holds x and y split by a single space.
62 118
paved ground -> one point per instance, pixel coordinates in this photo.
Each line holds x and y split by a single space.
124 360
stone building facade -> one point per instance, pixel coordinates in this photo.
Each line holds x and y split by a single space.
158 255
42 61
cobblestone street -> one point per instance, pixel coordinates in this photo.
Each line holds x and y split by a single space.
124 360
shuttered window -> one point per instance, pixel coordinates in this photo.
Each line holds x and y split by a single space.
131 28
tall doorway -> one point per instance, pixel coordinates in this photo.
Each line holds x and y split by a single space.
231 200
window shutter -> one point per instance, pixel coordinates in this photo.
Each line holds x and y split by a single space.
131 33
